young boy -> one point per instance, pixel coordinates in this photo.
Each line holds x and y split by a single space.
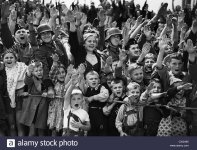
96 97
129 116
76 120
175 65
111 109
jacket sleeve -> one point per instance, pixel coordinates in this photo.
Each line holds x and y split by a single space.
6 36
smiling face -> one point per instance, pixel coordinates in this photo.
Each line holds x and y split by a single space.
115 40
21 36
176 66
90 43
92 80
76 101
38 72
133 94
137 75
61 75
46 36
9 60
148 64
117 89
156 88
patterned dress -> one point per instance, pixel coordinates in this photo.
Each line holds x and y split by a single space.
174 125
55 112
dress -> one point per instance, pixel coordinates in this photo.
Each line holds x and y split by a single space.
55 112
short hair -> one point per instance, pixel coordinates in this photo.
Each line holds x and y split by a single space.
131 41
10 50
92 72
133 67
117 80
177 56
133 85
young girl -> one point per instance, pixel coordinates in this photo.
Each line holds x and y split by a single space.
55 112
13 75
129 116
35 107
76 119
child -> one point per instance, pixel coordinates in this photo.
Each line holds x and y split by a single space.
136 74
175 124
13 75
96 97
76 120
55 112
111 109
152 115
35 107
129 116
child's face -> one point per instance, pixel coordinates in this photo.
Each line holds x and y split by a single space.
148 64
9 60
137 75
176 66
38 72
117 89
156 88
109 80
180 94
133 95
76 101
61 75
92 80
134 50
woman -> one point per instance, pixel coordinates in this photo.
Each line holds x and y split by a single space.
86 53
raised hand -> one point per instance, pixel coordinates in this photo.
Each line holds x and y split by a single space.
74 79
53 12
147 31
109 61
5 10
102 15
70 15
122 55
189 46
13 15
55 57
30 18
163 43
84 19
78 15
139 20
30 69
37 14
146 48
81 69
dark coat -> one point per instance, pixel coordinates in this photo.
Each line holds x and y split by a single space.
35 109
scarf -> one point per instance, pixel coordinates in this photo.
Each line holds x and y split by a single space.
15 80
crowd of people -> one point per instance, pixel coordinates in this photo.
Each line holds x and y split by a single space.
114 70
